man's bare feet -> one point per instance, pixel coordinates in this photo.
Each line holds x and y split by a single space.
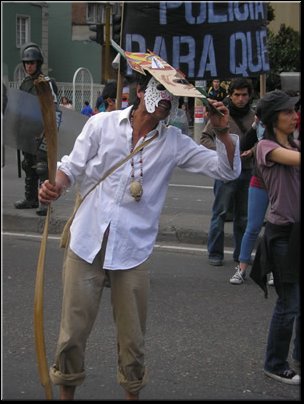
130 396
66 392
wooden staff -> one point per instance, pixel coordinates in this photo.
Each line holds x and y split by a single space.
119 75
50 132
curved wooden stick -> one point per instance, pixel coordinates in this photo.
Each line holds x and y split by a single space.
50 131
43 369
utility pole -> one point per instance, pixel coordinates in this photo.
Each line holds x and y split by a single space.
262 85
117 28
107 44
199 113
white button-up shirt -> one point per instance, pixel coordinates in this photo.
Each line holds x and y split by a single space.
106 139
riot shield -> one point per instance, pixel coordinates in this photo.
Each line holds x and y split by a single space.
22 123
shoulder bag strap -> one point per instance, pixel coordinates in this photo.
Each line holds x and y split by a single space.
66 230
121 162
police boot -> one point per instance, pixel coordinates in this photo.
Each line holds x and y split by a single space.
31 195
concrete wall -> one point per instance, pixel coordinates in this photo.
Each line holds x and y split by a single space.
286 13
65 54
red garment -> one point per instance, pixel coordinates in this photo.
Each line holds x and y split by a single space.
256 182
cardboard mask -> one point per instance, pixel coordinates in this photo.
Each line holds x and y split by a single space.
173 80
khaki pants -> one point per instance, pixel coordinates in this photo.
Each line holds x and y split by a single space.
83 284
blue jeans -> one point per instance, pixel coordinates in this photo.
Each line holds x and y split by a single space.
285 317
257 207
235 191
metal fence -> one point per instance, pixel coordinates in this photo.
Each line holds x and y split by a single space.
77 94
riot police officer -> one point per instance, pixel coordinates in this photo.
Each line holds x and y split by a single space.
34 165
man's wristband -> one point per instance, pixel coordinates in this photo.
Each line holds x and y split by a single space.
220 130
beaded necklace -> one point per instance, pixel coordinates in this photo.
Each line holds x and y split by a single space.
136 187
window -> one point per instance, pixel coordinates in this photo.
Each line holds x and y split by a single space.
22 30
94 13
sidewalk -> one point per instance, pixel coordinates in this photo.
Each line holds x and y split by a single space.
176 227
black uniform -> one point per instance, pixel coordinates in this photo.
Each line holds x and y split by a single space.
218 94
35 165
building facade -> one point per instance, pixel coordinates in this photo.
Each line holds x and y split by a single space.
288 13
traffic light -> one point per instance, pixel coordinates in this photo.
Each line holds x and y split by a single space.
98 28
116 28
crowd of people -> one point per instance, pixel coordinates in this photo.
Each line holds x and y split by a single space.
253 157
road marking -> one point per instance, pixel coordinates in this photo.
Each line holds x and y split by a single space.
29 235
178 247
174 247
191 186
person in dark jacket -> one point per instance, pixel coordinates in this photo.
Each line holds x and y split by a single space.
233 192
216 91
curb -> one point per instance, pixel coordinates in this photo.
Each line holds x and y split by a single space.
171 233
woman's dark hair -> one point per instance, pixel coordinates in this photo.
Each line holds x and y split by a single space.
270 134
109 91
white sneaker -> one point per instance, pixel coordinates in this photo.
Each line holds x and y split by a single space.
239 277
289 376
270 279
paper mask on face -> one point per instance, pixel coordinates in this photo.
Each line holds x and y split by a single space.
153 96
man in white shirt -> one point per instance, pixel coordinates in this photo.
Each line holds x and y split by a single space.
114 230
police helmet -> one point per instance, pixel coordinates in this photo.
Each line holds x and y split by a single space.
32 52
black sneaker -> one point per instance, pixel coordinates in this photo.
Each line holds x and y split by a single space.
289 376
41 211
216 262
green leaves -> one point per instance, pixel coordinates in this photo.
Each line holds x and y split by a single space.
284 54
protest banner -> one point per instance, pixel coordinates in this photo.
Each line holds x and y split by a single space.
202 39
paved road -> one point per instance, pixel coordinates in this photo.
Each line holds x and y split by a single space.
205 338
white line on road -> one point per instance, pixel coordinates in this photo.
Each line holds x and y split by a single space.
28 235
191 186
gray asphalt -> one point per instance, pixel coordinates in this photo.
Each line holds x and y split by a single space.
205 338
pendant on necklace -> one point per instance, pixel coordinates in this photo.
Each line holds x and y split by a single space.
136 190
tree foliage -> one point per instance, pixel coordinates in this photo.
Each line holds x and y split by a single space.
284 54
270 13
